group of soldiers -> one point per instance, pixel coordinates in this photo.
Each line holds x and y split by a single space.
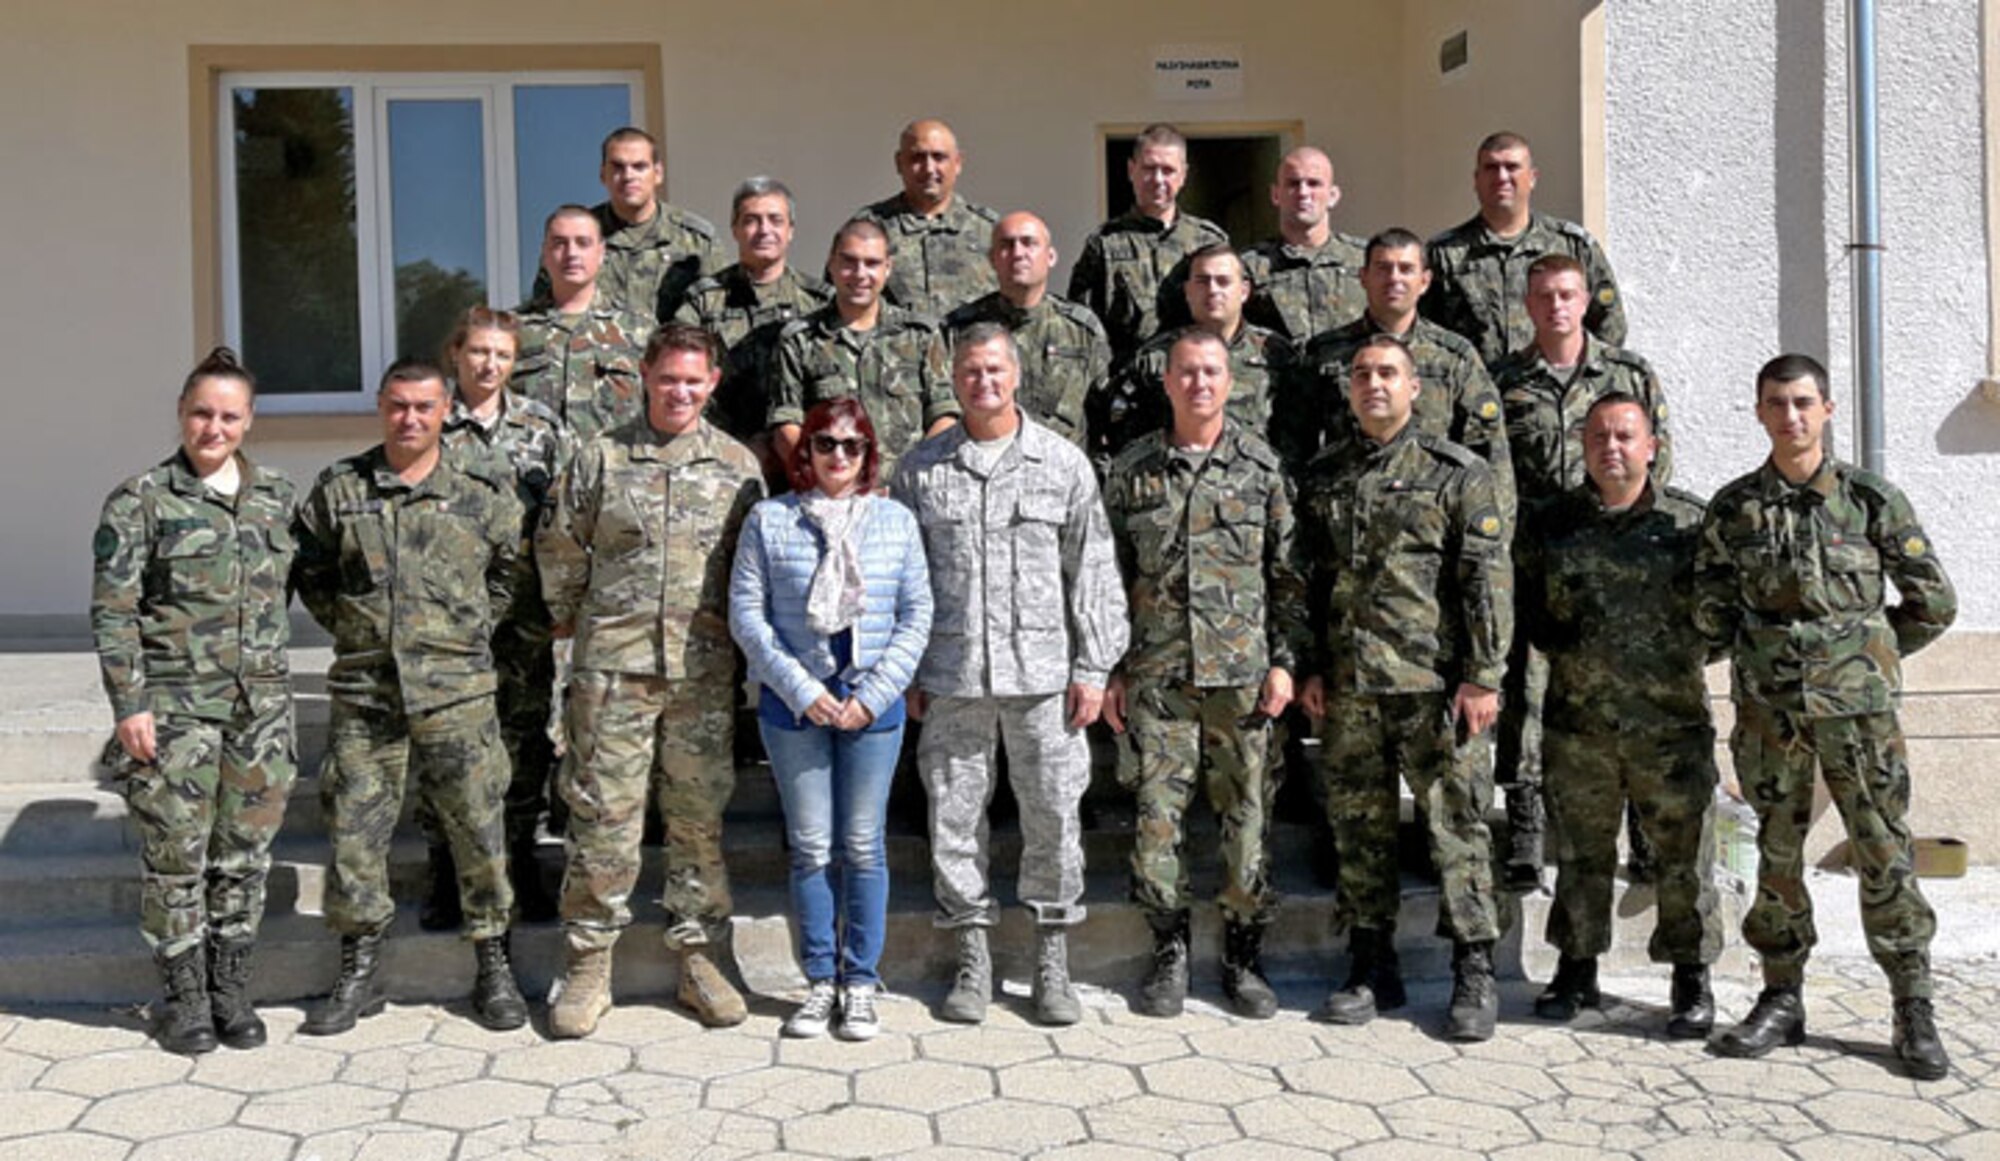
1391 485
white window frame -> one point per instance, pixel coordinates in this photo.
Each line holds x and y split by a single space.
374 246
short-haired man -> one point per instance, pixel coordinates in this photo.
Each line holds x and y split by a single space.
1029 621
1792 574
1604 577
635 563
1261 361
1202 515
748 303
654 251
1411 608
1482 265
1127 273
937 239
889 358
1065 357
1546 388
579 351
1307 279
407 557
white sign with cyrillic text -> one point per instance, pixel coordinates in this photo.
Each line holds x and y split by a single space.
1198 72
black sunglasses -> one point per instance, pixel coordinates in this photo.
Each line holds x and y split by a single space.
853 448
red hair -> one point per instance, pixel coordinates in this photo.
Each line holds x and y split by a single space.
822 417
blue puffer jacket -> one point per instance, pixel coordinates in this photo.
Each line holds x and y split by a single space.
775 560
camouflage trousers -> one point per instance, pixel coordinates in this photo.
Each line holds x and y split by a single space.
620 726
1867 773
1368 743
1189 738
1517 759
207 809
1669 779
1048 765
452 758
525 664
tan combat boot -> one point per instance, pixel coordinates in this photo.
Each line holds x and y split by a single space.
585 995
707 993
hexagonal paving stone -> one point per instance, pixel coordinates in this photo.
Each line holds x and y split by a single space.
117 1071
1310 1121
1490 1082
857 1132
386 1142
1460 1124
1710 1149
71 1147
1363 1083
1022 1126
1774 1078
702 1135
18 1070
38 1112
1255 1151
836 1055
1981 1146
1408 1151
1077 1084
1101 1151
413 1067
923 1086
320 1108
1266 1043
1209 1081
269 1069
991 1047
1846 1148
706 1057
1153 1122
1897 1118
237 1144
778 1093
153 1112
561 1062
637 1025
1549 1151
55 1038
396 1024
473 1103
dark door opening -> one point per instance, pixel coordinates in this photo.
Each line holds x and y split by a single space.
1229 179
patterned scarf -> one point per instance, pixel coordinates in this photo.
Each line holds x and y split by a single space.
838 593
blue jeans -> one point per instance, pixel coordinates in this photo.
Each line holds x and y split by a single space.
834 785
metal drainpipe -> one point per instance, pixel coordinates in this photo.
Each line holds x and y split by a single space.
1865 251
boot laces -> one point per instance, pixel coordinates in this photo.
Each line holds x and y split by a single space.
818 1005
858 1004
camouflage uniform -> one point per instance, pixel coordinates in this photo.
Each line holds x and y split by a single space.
747 316
188 611
1262 364
1217 601
1479 284
1065 358
410 580
636 557
583 367
1028 601
1790 580
649 266
1131 272
938 261
1608 597
1411 595
898 370
1299 291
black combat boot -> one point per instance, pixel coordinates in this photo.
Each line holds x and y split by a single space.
496 998
1525 824
186 1026
524 869
1165 990
236 1022
355 994
1916 1042
1475 997
1692 1002
440 909
1573 989
1374 979
1778 1017
1243 971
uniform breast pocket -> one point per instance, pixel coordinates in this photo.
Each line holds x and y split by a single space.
1038 523
1853 574
364 554
186 560
624 524
1152 532
1240 521
1411 523
531 371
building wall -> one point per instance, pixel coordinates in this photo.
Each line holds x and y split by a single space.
1728 213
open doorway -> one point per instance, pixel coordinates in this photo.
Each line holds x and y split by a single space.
1229 173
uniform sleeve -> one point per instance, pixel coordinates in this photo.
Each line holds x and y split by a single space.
1445 302
1302 407
316 567
503 534
1485 579
562 544
935 378
1100 627
1097 387
1316 551
1656 402
1288 636
1482 428
1086 278
1928 603
788 384
1606 315
119 550
1531 620
1717 612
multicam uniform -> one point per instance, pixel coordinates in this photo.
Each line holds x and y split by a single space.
188 611
1065 357
1131 271
748 316
1301 291
898 370
636 555
1480 283
583 367
937 261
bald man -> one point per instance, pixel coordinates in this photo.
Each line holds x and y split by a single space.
937 240
1308 278
1065 356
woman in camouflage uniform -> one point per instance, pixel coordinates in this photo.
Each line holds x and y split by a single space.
188 611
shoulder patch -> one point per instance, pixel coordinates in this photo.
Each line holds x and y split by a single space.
104 545
1489 525
1489 409
1606 295
1915 546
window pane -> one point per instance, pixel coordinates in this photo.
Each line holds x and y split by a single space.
557 131
437 204
297 269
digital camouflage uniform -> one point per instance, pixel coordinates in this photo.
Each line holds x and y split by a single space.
1479 285
898 370
1028 601
188 612
1608 597
650 265
1131 272
748 316
938 261
1217 601
1261 366
1300 291
1411 594
410 580
636 557
1065 357
583 367
1791 582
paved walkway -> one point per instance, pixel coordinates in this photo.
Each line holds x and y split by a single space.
422 1082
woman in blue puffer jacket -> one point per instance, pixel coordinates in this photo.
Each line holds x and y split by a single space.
830 601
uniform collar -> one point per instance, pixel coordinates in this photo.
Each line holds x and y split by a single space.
1823 483
648 443
182 478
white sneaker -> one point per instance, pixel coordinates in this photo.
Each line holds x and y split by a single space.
858 1020
812 1017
